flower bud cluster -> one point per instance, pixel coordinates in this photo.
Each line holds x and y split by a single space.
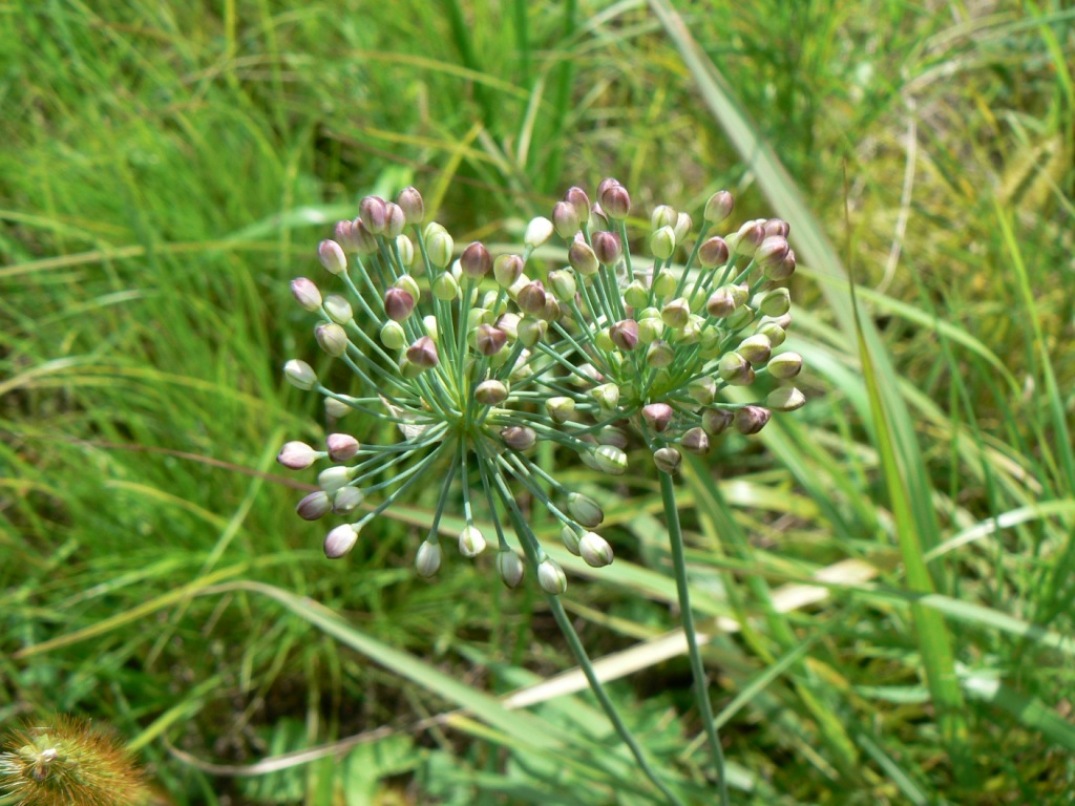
478 357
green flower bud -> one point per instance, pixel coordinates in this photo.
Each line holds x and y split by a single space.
751 419
662 216
410 285
395 220
570 539
667 460
585 511
314 506
366 240
691 332
560 409
702 390
664 284
522 369
742 317
531 331
662 243
405 247
471 541
649 330
342 447
410 200
607 395
297 455
347 500
306 293
735 370
756 349
521 282
716 421
335 478
603 340
595 550
338 309
332 338
392 335
445 287
772 331
659 354
719 207
335 409
636 295
610 459
551 577
491 393
340 541
427 561
510 568
562 283
676 313
439 245
786 398
332 257
582 257
785 366
538 231
775 302
696 441
682 227
300 374
551 313
507 269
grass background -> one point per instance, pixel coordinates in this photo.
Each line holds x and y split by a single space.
167 168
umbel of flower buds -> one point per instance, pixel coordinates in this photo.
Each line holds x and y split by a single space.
471 361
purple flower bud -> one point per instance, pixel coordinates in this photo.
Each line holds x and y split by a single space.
332 257
394 221
777 226
332 338
306 293
749 237
565 219
772 251
476 261
751 419
713 252
606 247
366 240
667 460
507 269
423 353
300 374
578 199
724 301
413 207
296 455
716 421
346 236
340 541
614 199
582 258
784 269
510 568
735 370
314 506
676 313
719 207
551 577
374 214
624 334
658 416
785 366
398 304
518 437
342 447
595 550
696 441
491 393
489 340
659 354
531 298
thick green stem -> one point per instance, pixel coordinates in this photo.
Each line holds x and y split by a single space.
701 687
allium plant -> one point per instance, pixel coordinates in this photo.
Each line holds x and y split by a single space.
477 358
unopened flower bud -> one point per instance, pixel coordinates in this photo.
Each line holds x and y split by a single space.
785 366
300 374
538 231
427 561
664 284
715 421
659 354
662 216
662 243
713 252
410 285
739 319
476 261
614 199
413 206
346 500
570 539
667 459
335 409
774 302
332 338
676 313
702 390
489 340
560 408
532 330
695 440
314 506
471 541
374 214
636 294
719 207
552 310
756 349
658 416
332 257
518 437
784 269
398 304
607 247
723 302
607 395
346 236
445 287
772 251
340 541
777 226
578 199
682 227
338 309
650 329
773 332
509 323
335 478
624 334
786 398
565 219
584 510
610 459
751 419
439 245
393 336
735 369
342 447
510 568
531 298
562 284
491 393
296 455
306 293
394 221
747 239
366 240
423 353
595 550
551 577
582 258
507 269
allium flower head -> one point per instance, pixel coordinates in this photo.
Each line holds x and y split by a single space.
478 358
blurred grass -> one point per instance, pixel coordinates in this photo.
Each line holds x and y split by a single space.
167 168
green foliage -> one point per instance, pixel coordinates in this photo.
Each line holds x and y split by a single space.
886 575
